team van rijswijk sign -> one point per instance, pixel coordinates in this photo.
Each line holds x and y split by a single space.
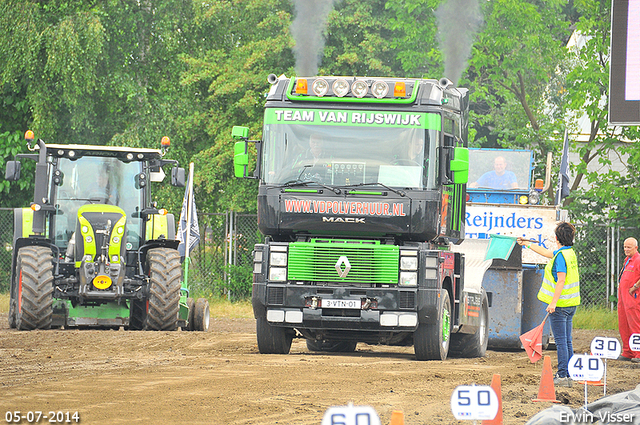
352 118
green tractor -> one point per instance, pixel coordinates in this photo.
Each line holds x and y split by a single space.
92 250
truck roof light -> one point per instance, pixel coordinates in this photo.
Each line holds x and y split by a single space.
340 87
523 200
301 86
399 89
28 136
380 89
129 156
320 87
359 88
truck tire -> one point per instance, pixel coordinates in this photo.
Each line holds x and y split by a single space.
431 341
201 315
165 272
191 305
332 346
473 345
272 339
34 288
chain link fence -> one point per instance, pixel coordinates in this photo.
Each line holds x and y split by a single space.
221 264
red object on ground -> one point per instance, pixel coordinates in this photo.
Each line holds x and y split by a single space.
547 391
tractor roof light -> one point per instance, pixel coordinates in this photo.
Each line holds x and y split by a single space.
165 142
320 87
380 89
28 136
340 87
359 88
163 211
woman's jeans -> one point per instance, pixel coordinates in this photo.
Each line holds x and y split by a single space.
561 325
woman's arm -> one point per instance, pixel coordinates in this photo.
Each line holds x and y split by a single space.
538 249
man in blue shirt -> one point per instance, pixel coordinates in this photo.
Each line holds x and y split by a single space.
500 178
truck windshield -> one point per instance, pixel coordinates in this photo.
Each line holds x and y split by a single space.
396 156
97 180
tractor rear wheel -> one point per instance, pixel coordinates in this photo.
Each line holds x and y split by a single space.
165 273
33 308
431 341
137 314
201 315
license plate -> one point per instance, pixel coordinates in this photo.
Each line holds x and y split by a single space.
351 304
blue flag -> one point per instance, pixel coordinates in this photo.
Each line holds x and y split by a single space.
563 177
188 209
500 247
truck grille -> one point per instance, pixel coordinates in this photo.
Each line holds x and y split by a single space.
371 262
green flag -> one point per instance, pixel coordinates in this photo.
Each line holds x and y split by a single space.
500 247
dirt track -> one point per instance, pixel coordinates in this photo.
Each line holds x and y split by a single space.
121 377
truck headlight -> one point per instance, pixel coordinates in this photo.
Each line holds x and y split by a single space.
408 279
278 259
278 274
409 263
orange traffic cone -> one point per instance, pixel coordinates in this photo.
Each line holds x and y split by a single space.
547 391
497 387
397 418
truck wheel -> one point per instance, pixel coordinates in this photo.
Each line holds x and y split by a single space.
431 341
473 345
272 339
191 305
201 315
165 272
137 314
332 346
34 288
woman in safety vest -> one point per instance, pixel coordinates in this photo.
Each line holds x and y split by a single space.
561 291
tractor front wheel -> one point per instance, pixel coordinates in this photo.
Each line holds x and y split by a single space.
33 289
165 273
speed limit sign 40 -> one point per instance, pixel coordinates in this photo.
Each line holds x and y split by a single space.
584 367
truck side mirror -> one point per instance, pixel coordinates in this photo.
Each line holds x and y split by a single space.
178 177
12 173
238 132
459 166
240 159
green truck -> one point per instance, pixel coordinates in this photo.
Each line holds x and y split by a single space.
361 199
93 250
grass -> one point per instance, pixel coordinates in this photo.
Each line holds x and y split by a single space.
219 307
595 318
585 318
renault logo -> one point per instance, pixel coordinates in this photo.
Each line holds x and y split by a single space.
347 266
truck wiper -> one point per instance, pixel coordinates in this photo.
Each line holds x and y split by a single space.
293 183
396 191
